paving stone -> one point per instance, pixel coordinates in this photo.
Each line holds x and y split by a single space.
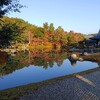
69 89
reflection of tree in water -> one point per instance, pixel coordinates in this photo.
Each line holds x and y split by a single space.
59 63
9 67
73 62
12 64
47 59
98 63
3 59
51 64
34 57
40 61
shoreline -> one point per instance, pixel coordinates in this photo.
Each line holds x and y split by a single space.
78 87
17 92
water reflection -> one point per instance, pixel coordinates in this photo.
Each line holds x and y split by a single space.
3 59
98 64
34 57
36 65
72 61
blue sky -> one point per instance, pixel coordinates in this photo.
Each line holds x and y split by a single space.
78 15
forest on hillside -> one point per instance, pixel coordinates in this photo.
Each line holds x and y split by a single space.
16 30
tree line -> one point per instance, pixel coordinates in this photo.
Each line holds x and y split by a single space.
15 30
20 31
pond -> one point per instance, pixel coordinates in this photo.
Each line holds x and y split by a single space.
36 66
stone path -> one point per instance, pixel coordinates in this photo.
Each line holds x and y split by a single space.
86 87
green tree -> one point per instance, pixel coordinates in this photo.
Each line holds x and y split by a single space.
7 6
39 32
51 32
8 34
60 30
12 29
51 27
71 38
59 34
45 26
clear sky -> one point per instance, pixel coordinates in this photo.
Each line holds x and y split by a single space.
78 15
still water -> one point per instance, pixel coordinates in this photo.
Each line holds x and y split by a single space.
36 66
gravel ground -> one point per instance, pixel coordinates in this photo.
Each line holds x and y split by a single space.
86 87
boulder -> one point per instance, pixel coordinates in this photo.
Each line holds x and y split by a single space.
74 56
